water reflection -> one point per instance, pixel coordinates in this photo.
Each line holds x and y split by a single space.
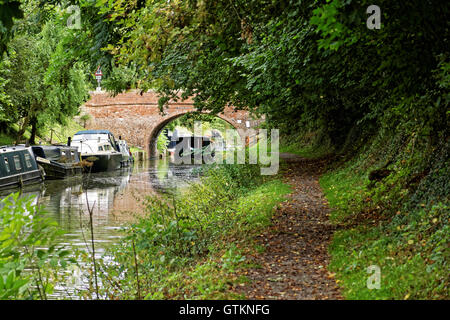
115 198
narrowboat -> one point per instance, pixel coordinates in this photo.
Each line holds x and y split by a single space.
98 149
18 167
58 161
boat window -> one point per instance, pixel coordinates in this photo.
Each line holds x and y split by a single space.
107 148
17 163
28 161
100 148
7 164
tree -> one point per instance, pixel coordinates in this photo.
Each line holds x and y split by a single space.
5 101
306 65
45 81
9 10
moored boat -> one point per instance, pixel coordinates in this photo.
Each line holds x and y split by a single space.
99 149
18 167
58 161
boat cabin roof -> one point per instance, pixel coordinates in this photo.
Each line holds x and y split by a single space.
4 149
56 147
16 160
57 153
93 132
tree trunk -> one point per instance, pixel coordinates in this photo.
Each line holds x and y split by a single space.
33 130
22 129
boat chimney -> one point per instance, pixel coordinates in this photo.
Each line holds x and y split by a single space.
69 141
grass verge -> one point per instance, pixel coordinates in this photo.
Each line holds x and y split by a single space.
190 246
394 227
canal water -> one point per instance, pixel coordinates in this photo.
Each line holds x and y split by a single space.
116 197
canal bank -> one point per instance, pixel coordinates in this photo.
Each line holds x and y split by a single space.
190 245
154 236
115 197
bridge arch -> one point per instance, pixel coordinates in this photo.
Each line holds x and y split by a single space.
136 116
155 132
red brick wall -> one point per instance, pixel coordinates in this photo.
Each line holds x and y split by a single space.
138 119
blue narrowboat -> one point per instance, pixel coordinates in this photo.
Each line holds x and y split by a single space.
18 167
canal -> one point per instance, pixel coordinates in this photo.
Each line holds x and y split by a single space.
116 197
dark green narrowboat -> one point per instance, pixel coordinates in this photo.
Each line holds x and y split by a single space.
18 167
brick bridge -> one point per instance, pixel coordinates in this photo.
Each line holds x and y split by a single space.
138 120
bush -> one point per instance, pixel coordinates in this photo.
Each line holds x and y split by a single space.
398 221
31 262
186 245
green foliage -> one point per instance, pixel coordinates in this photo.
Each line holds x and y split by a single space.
5 139
399 221
305 145
64 77
190 245
46 84
208 121
119 79
5 101
9 10
378 99
31 262
162 142
411 255
306 65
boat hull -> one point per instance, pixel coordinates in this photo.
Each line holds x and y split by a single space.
55 171
102 162
21 179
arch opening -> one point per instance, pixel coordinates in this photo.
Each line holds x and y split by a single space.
186 120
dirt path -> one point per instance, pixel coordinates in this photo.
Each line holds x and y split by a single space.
294 263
